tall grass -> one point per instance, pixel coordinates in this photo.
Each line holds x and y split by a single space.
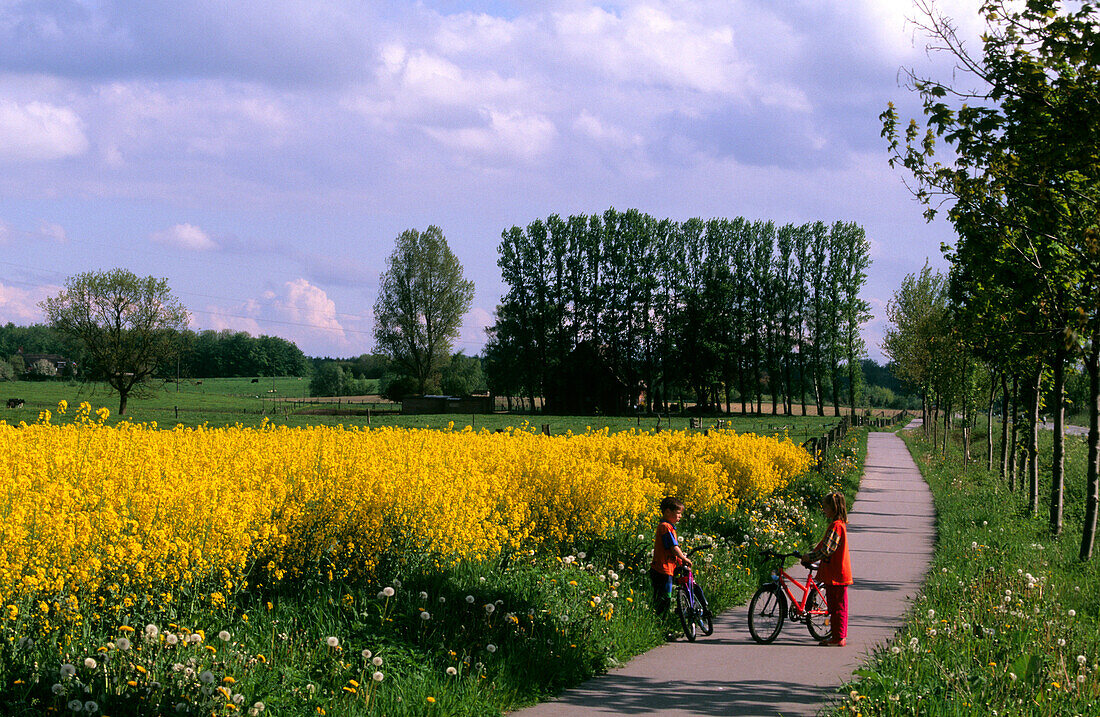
1008 622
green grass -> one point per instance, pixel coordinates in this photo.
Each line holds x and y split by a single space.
1009 620
226 401
546 629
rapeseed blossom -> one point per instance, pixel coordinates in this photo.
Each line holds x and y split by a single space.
135 510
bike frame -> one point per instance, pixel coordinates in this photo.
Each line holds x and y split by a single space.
785 579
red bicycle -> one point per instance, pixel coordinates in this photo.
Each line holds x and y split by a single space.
774 602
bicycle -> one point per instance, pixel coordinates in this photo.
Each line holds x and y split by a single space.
774 602
691 604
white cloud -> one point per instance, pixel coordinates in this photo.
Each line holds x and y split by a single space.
38 131
505 133
471 337
603 132
53 231
299 311
185 236
20 306
650 45
307 304
219 319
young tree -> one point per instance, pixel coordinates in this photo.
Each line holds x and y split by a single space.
916 312
1023 178
129 326
422 298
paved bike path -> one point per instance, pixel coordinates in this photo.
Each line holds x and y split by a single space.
891 534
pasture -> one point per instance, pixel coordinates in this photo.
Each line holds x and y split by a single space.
228 401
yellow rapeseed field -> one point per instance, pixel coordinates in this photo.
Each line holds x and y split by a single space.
133 513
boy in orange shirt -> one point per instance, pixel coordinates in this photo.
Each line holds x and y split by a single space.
667 554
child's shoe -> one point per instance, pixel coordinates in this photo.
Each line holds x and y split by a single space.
833 643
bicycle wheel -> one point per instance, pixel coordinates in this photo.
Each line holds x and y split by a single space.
767 610
685 608
703 615
817 616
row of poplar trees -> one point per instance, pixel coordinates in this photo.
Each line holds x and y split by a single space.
1022 187
724 310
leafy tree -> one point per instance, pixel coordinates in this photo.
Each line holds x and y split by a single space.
916 313
462 376
42 368
422 299
1024 186
129 326
328 380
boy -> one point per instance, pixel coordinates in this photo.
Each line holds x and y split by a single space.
666 554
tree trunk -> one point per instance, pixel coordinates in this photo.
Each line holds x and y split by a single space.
947 409
1092 489
802 376
1033 445
123 395
787 405
1057 471
1015 433
1004 426
989 421
926 412
935 411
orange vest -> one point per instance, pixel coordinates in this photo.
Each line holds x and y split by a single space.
837 568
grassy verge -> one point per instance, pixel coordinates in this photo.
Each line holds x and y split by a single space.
1009 620
479 639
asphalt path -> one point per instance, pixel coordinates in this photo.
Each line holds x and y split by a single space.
1069 429
891 535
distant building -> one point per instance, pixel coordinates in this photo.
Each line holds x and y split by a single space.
419 405
61 363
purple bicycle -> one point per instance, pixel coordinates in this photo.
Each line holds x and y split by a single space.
691 604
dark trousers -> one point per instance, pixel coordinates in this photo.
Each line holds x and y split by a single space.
662 591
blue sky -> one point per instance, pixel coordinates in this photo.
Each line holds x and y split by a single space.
263 156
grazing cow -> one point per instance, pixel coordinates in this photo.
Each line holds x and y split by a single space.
15 403
255 380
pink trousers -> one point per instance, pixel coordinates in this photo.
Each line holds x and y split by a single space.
837 597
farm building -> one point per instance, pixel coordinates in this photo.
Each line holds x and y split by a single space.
587 385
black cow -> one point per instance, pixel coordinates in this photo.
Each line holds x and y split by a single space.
15 403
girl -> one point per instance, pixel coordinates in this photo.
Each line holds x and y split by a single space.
835 572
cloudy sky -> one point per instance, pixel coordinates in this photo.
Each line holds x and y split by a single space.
263 156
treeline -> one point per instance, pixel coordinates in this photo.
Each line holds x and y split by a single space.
720 309
225 353
203 354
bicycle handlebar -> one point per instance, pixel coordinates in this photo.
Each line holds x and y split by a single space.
698 548
779 556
